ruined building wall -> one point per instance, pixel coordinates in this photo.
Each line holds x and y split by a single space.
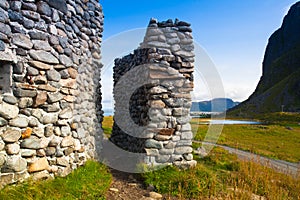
152 96
50 100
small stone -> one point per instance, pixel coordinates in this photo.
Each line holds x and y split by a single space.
25 102
28 23
162 137
39 165
22 40
150 143
55 97
64 74
3 122
38 35
2 45
41 175
60 5
3 16
31 15
29 6
166 131
35 143
15 163
40 99
27 133
40 79
62 161
183 150
44 8
157 90
41 45
8 111
113 189
2 159
67 141
4 4
151 152
53 75
48 88
18 92
188 157
33 122
11 135
55 141
51 107
40 65
180 111
28 152
155 195
15 5
65 60
15 16
186 127
49 130
50 151
49 118
187 135
21 122
5 29
40 153
53 40
65 130
43 56
53 30
37 113
10 99
73 72
69 83
12 149
66 113
38 131
157 104
32 71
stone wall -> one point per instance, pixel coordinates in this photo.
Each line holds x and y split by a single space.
50 100
152 96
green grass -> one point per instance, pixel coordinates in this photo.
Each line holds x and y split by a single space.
107 125
88 182
275 141
222 175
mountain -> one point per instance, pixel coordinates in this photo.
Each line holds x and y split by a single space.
279 86
215 105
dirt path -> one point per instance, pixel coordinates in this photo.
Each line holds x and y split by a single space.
126 186
279 165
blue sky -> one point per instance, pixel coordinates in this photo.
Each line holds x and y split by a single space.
234 33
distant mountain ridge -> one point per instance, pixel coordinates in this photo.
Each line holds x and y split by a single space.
279 86
214 105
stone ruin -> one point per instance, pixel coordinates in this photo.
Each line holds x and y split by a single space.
152 92
50 100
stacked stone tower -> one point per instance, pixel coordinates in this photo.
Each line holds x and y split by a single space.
50 100
152 89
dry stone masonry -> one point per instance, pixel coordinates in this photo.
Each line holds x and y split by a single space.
50 110
152 89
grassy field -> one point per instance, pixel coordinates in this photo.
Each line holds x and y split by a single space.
275 141
222 176
88 182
